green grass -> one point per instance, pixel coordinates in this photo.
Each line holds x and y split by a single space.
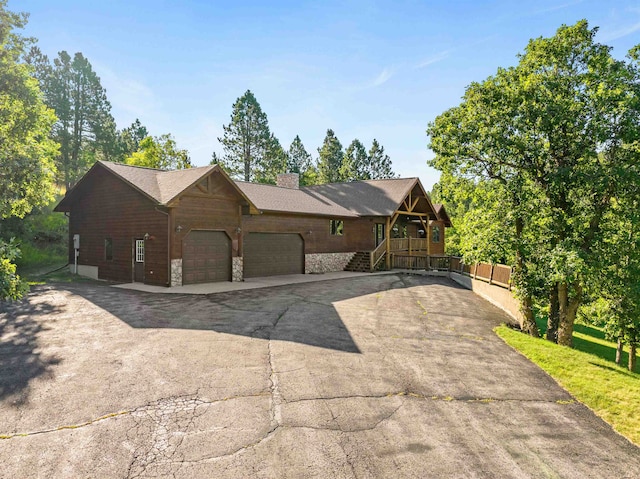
611 391
34 262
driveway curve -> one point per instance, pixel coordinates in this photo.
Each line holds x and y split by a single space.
381 376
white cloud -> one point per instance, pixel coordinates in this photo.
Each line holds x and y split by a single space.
609 35
383 77
129 97
553 8
434 59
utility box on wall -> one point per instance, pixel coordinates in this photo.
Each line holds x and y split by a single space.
76 241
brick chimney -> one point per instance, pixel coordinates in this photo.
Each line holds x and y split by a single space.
288 180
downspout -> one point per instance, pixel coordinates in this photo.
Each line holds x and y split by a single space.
168 245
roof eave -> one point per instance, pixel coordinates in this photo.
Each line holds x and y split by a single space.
305 213
101 164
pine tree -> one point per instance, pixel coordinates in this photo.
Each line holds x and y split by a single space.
273 162
85 129
247 139
301 162
131 137
330 157
299 159
379 163
216 160
355 164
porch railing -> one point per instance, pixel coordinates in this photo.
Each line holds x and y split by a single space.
408 244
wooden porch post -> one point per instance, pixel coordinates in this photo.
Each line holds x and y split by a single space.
388 236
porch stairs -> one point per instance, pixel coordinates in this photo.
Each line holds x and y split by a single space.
361 262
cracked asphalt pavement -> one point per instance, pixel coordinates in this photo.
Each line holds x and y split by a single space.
380 376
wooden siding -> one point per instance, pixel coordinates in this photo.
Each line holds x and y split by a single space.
358 232
109 208
216 209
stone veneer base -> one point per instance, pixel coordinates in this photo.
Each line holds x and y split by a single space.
237 269
326 262
176 272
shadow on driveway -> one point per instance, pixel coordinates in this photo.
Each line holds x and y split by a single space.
21 361
303 313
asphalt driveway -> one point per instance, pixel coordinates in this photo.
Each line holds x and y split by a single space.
382 376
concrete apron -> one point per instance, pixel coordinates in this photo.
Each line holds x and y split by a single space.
250 283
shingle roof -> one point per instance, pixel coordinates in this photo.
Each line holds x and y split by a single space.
276 198
358 198
162 186
442 213
366 198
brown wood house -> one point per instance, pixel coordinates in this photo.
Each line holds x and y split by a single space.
169 228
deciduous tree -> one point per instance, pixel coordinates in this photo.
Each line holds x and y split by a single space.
26 166
161 153
555 130
26 153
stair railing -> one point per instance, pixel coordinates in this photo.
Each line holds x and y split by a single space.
377 254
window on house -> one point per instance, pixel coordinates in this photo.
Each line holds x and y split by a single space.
139 251
379 233
337 227
435 234
108 249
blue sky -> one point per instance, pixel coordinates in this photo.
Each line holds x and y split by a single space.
365 69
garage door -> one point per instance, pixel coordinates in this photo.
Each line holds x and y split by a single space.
206 257
270 254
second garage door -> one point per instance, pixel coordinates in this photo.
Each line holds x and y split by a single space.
270 254
206 257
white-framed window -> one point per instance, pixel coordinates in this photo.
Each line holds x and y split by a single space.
435 234
337 227
139 251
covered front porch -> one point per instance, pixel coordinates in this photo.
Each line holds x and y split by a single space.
411 238
400 253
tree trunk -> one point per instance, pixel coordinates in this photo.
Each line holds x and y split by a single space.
529 325
619 350
568 308
526 304
632 356
554 315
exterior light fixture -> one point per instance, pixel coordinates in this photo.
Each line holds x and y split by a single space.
238 230
178 229
146 236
